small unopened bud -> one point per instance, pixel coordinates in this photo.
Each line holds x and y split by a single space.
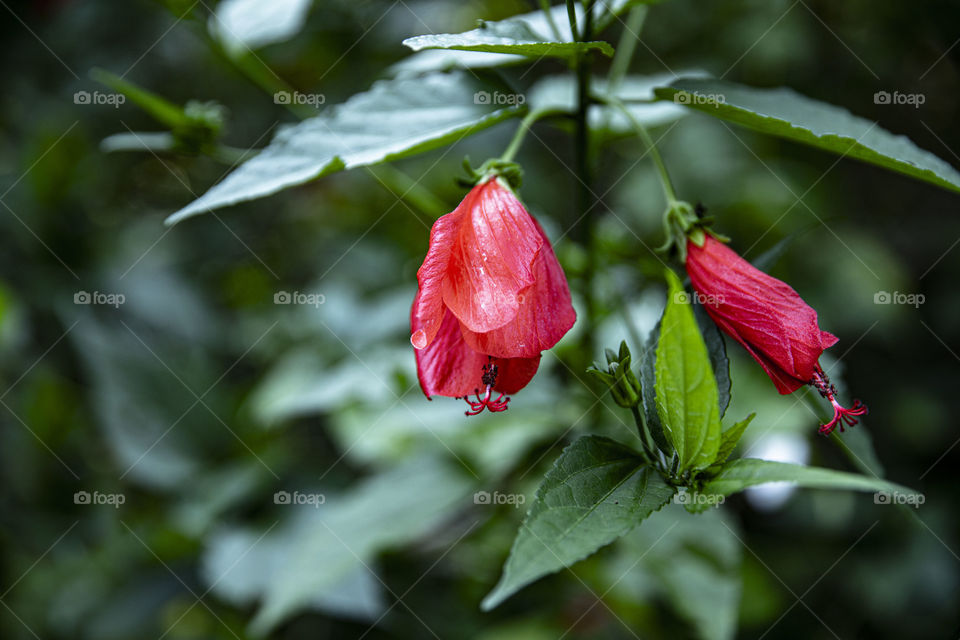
619 377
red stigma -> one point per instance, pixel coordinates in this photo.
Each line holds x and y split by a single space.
841 415
489 379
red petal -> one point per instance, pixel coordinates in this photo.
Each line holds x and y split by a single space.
514 374
544 316
762 313
448 367
491 261
784 382
428 308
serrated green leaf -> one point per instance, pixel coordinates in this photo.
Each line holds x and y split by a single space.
447 59
717 353
741 473
731 436
508 36
597 491
785 113
686 390
394 119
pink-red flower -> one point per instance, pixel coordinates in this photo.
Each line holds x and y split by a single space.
492 297
769 319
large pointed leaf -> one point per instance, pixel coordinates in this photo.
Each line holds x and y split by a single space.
515 36
785 113
322 547
597 491
394 119
686 390
739 474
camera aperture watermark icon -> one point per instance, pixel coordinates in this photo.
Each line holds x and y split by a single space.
897 498
499 98
896 98
297 498
99 98
685 497
96 498
689 99
299 297
99 298
497 498
711 300
296 97
897 297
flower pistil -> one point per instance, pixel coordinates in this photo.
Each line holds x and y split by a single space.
841 415
489 379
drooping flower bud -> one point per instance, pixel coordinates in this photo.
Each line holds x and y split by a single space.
492 297
768 318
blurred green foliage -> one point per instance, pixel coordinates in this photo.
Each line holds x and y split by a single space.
198 398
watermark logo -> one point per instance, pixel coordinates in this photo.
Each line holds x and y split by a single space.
485 497
298 297
100 298
685 497
486 297
896 297
897 98
97 98
897 498
297 498
713 299
295 97
112 499
689 99
499 98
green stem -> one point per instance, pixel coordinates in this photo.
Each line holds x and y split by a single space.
521 133
625 48
648 453
547 10
408 189
665 182
572 17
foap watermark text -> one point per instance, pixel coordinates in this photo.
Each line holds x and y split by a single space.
485 497
299 297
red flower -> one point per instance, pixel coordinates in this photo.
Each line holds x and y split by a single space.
492 297
769 319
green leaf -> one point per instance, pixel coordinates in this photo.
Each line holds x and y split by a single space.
394 119
596 491
739 474
559 92
686 391
717 353
317 548
242 25
692 560
508 36
731 436
785 113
